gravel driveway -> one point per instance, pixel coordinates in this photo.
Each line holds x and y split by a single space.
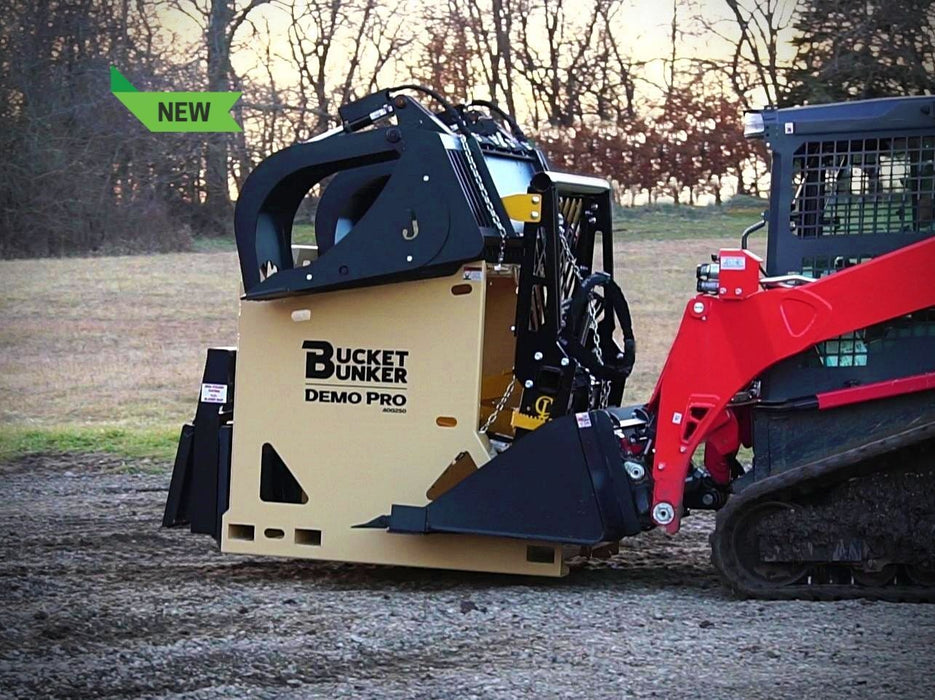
97 601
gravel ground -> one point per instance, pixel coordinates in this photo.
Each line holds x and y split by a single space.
98 601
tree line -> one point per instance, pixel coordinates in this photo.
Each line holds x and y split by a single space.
82 176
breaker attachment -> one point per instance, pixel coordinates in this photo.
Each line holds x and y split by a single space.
442 364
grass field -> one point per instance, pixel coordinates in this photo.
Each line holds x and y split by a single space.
106 354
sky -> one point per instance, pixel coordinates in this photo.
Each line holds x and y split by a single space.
644 27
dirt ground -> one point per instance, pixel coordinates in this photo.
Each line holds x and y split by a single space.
97 601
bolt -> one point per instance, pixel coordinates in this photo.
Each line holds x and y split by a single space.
308 276
564 362
512 329
708 499
661 466
535 199
538 356
738 291
528 384
663 513
425 178
408 258
683 449
722 290
534 214
635 470
698 307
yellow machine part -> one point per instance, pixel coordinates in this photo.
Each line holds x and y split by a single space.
523 207
362 439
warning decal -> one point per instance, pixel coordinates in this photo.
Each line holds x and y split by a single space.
214 393
584 420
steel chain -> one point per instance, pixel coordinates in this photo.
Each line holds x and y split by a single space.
500 405
494 216
498 224
569 258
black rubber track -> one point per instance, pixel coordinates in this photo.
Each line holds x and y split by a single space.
785 488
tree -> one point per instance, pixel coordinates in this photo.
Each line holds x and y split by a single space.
79 174
756 70
220 21
863 49
320 34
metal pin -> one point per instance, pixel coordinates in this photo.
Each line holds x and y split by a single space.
663 513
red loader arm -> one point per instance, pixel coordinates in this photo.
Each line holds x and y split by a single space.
726 341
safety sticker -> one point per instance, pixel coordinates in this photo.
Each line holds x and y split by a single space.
677 418
474 274
733 262
584 420
214 393
377 113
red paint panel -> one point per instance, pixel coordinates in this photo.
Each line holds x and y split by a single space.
877 390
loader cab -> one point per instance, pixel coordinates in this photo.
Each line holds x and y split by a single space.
849 182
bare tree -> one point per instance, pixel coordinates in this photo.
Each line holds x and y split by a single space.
333 44
755 33
558 69
220 21
80 175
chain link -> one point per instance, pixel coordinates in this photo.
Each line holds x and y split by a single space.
500 405
495 217
498 224
569 258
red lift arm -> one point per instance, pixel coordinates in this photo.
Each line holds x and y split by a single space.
725 341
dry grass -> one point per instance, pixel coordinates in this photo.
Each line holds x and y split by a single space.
118 343
658 278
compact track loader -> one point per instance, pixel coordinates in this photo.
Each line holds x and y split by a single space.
439 382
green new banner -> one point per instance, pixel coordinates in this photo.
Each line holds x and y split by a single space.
178 112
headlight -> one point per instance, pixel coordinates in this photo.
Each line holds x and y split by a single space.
753 126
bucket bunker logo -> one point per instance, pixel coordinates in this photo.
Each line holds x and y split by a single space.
372 377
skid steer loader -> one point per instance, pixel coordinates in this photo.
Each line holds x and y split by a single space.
439 381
